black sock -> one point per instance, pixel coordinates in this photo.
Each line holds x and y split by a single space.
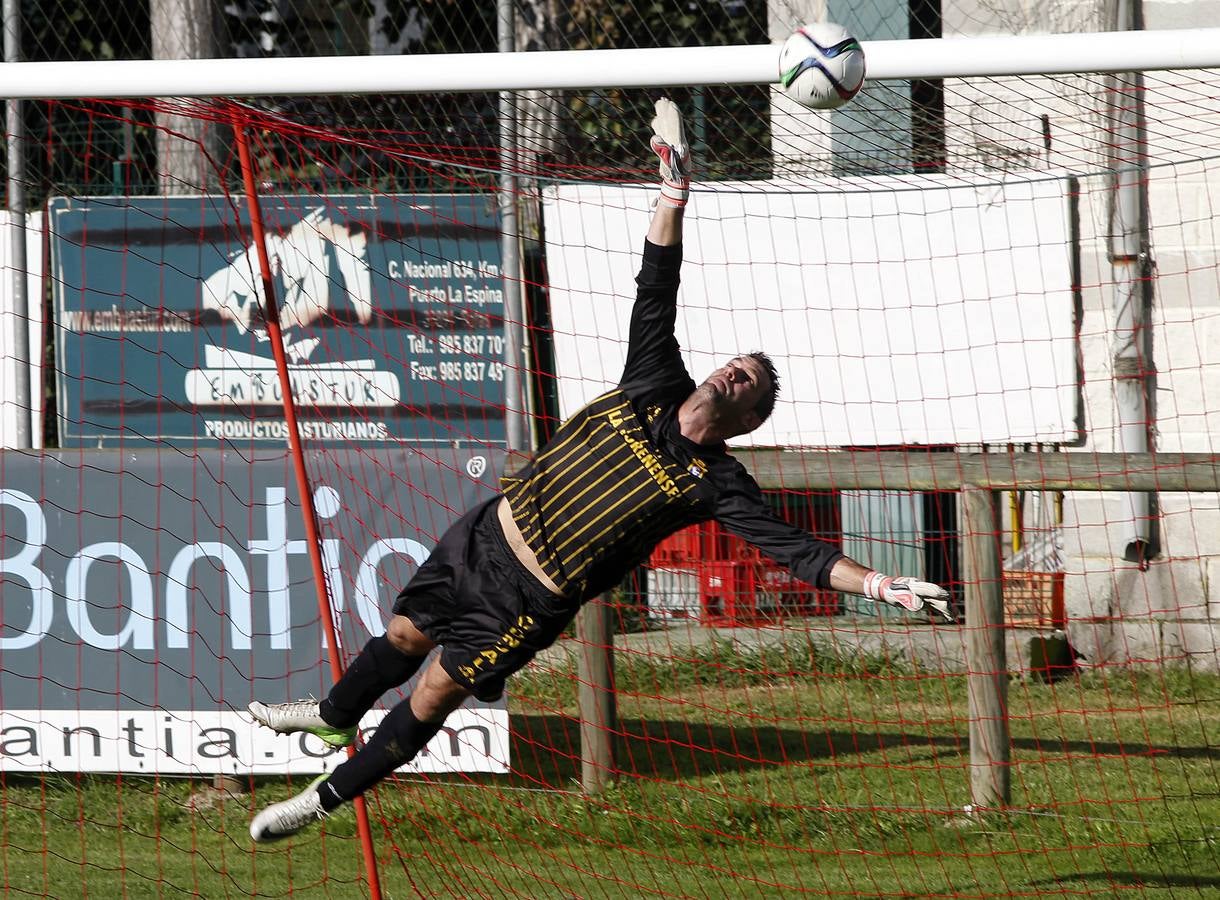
379 667
395 742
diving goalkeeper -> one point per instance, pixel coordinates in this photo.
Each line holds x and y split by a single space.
638 463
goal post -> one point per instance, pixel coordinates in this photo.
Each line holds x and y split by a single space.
558 70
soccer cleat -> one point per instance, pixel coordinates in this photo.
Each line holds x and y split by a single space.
284 819
301 715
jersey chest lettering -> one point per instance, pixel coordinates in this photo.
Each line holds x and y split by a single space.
632 436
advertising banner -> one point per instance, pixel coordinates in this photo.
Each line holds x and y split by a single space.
148 597
391 308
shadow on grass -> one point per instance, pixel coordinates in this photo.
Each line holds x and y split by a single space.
546 749
1132 880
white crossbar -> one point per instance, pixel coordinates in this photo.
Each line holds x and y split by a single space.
581 69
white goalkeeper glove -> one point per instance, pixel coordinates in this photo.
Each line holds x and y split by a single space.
908 593
669 144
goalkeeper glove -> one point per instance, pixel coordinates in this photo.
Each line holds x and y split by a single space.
669 144
908 593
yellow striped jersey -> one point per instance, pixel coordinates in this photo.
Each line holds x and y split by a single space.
618 476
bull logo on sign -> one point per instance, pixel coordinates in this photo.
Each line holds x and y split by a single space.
317 265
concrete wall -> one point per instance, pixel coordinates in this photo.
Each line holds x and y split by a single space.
1169 612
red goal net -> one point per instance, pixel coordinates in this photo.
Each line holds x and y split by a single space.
958 279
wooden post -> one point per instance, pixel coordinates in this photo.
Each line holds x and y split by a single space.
228 784
595 671
987 666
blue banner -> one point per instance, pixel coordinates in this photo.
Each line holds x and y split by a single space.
391 309
150 595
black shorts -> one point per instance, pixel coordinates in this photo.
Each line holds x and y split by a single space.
478 601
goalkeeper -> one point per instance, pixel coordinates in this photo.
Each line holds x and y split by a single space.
635 465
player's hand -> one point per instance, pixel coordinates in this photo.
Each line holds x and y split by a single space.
908 593
669 144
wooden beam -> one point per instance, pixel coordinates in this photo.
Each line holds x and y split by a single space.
922 470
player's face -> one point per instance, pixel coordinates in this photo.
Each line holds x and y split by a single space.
739 386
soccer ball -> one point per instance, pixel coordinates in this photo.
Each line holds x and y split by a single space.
821 66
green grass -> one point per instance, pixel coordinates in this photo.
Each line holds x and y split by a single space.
770 774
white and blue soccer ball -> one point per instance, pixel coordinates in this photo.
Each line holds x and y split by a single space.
821 66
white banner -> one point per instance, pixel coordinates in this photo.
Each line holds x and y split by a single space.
177 742
899 310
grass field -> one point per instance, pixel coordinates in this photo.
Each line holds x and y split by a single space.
767 774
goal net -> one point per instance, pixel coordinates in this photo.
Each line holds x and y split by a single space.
1002 283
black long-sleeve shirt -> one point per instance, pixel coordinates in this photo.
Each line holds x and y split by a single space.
618 476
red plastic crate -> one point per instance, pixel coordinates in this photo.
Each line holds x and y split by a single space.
737 584
727 596
682 548
789 595
1034 598
697 544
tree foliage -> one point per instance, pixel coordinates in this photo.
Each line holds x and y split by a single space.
599 133
729 126
69 143
585 132
83 30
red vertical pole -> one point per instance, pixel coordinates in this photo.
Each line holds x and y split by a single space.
312 538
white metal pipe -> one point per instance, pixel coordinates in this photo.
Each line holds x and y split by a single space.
1194 48
22 390
1129 247
516 423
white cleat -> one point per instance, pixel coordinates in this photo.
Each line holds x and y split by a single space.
300 715
284 819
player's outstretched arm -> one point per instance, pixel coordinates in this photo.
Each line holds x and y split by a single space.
908 594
